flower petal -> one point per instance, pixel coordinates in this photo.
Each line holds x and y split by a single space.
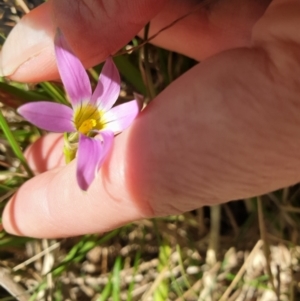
108 87
50 116
89 156
120 117
108 139
72 72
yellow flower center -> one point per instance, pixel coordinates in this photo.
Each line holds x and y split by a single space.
87 125
87 117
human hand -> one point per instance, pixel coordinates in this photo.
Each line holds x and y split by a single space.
227 129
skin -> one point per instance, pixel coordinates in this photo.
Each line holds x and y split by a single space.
226 129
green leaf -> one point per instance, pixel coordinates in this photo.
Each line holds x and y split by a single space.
54 92
130 73
14 97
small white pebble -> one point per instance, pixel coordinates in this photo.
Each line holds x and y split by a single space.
192 270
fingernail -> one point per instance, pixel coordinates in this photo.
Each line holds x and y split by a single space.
27 41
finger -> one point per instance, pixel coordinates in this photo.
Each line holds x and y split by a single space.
210 27
33 59
46 153
206 31
58 208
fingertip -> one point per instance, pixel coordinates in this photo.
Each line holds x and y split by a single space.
46 153
27 212
8 221
51 205
28 54
39 68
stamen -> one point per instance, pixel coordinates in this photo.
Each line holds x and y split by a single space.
87 125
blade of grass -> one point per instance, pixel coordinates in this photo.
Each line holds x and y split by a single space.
130 73
21 92
78 251
160 288
164 63
12 241
54 92
5 188
215 224
20 135
14 145
241 272
132 283
3 38
36 257
41 287
7 194
106 293
116 279
266 247
94 74
148 75
184 275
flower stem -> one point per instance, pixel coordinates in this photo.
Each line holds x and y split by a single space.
70 148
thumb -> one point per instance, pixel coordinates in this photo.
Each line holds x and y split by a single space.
94 29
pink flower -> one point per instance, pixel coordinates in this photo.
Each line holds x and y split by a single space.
91 122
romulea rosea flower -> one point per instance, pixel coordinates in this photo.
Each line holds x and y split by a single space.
92 122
